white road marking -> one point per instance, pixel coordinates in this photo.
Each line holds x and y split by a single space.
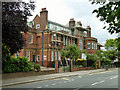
39 87
90 74
46 85
97 83
65 78
114 77
101 72
54 84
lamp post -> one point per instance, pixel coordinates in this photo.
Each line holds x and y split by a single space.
118 48
42 43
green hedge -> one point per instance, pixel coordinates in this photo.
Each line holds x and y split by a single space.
37 67
19 64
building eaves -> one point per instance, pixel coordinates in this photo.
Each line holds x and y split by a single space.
64 34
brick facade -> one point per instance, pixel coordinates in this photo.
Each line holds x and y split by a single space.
55 40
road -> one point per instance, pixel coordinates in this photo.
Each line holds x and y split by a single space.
108 79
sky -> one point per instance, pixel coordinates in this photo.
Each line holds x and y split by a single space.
61 11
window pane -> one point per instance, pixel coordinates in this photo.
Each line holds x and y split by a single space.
80 44
30 39
28 55
51 55
88 45
38 57
37 26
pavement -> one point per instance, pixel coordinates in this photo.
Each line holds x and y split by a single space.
30 79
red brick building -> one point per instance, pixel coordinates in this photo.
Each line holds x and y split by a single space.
45 39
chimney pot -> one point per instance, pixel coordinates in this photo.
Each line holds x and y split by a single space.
43 9
72 19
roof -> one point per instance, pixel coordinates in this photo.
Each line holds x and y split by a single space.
58 24
100 45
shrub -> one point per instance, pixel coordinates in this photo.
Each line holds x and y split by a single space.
37 67
19 64
26 69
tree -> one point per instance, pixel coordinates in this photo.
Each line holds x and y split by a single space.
91 60
109 12
110 54
71 51
14 21
99 55
111 44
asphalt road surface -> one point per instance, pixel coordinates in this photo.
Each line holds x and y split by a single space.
108 79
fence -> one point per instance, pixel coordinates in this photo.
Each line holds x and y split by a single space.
81 65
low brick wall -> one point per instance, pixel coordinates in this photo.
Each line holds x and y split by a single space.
25 74
82 68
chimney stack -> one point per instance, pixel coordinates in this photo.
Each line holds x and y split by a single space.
43 9
43 18
89 31
71 23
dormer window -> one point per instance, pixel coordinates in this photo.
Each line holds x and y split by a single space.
37 26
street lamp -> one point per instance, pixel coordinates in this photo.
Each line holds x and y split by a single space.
118 48
42 43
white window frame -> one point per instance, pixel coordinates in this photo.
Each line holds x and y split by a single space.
28 55
38 58
92 45
59 57
55 55
52 56
80 44
96 46
89 43
64 40
37 26
30 38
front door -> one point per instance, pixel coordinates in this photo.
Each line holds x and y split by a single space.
33 58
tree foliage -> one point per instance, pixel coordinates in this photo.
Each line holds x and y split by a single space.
109 12
14 20
111 44
71 51
111 51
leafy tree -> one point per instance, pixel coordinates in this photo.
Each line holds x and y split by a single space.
109 12
71 51
110 54
14 21
99 54
111 44
91 60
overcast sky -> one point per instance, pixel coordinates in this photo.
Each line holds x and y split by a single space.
61 11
